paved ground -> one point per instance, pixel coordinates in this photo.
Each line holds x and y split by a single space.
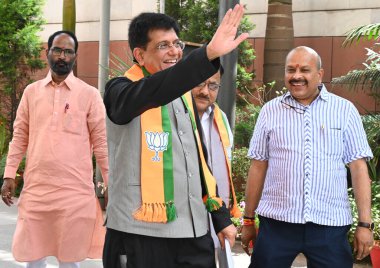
8 218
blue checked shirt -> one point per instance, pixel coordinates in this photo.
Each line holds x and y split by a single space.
307 148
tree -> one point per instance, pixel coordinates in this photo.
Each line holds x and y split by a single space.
279 40
69 20
370 75
198 21
69 16
20 49
368 31
367 78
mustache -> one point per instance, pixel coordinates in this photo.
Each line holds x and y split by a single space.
297 80
61 67
202 97
59 62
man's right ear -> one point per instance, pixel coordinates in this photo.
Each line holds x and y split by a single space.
138 54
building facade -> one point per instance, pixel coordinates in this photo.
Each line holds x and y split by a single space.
319 24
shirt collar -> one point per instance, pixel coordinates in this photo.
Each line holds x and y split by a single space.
323 94
208 113
69 81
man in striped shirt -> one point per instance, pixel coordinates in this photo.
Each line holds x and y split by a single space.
297 181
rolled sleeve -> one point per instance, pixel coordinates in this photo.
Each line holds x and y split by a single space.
258 147
355 139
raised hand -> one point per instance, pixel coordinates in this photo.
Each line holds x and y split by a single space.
224 39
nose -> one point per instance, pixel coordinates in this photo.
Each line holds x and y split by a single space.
204 90
297 74
174 51
62 55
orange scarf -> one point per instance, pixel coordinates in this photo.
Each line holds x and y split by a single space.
157 179
222 127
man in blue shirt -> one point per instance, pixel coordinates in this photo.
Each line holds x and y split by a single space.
297 182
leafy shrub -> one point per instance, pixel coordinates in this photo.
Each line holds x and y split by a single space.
371 125
240 166
375 198
246 118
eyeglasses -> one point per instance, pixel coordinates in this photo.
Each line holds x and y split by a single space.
211 86
67 52
296 109
163 46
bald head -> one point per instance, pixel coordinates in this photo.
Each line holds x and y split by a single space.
309 51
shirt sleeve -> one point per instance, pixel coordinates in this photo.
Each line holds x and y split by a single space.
221 218
97 129
258 146
125 100
20 140
355 139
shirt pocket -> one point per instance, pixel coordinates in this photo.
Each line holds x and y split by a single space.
333 142
73 122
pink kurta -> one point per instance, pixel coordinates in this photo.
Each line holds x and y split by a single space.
60 126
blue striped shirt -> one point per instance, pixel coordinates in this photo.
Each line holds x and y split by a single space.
307 148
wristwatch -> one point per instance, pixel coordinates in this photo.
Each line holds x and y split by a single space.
367 225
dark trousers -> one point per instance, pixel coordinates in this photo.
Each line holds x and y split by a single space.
148 252
278 243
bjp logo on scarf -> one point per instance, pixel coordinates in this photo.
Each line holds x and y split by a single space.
157 142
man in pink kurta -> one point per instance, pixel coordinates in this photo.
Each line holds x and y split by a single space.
60 123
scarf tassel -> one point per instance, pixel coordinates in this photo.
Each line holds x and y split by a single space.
171 212
151 213
156 212
213 203
235 211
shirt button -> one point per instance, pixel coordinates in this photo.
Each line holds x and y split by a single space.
307 123
176 111
307 157
307 174
307 140
306 193
190 174
180 132
186 154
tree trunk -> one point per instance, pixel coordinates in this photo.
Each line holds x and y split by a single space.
13 108
69 16
227 94
69 20
279 40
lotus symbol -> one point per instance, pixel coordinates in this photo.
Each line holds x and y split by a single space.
157 142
